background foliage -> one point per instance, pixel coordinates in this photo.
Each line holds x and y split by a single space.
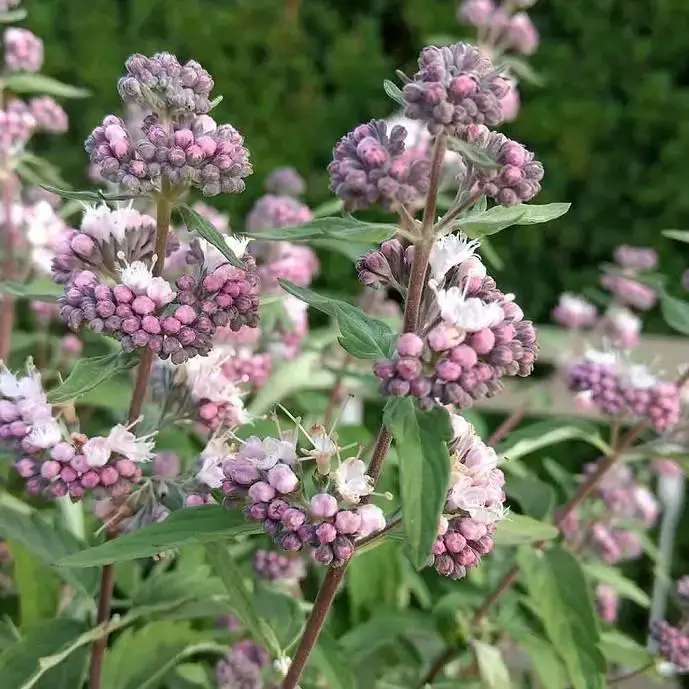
611 122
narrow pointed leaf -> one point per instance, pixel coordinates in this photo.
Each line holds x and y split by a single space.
200 524
32 83
421 439
195 222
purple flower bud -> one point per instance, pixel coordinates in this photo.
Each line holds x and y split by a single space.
346 522
293 518
261 492
283 479
326 533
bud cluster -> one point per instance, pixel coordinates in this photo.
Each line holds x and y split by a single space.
243 666
473 333
369 166
200 153
474 504
615 386
673 644
455 86
518 177
622 506
272 211
622 279
274 566
261 473
285 181
23 50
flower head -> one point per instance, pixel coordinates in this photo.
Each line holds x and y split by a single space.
468 314
352 481
450 251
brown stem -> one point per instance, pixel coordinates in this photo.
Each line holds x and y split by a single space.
143 373
412 308
507 426
510 577
319 614
7 307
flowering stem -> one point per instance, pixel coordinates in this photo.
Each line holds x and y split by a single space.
412 309
143 373
510 577
337 391
7 308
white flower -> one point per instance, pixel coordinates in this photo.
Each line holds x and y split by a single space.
97 451
640 377
27 387
211 473
277 451
9 385
46 435
101 222
282 665
470 315
351 480
450 251
137 276
372 520
624 321
598 356
160 291
124 442
237 244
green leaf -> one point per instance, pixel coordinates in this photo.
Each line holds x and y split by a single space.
516 529
393 91
545 662
177 587
201 524
346 229
89 373
679 235
421 439
373 580
328 208
37 585
620 649
520 68
675 312
37 290
626 588
498 218
241 598
140 659
491 666
87 196
333 664
31 83
42 170
12 16
363 336
558 588
535 497
536 436
281 612
20 663
473 154
195 222
48 543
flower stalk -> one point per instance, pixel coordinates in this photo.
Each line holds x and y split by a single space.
143 374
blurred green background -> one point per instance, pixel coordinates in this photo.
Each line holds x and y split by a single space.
610 123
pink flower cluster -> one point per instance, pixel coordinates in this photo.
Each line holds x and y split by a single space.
622 279
615 386
274 566
575 312
620 501
49 115
144 311
23 50
272 211
455 86
673 644
607 603
285 181
106 466
474 504
26 418
201 153
519 175
16 127
473 334
507 31
370 166
261 473
243 666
